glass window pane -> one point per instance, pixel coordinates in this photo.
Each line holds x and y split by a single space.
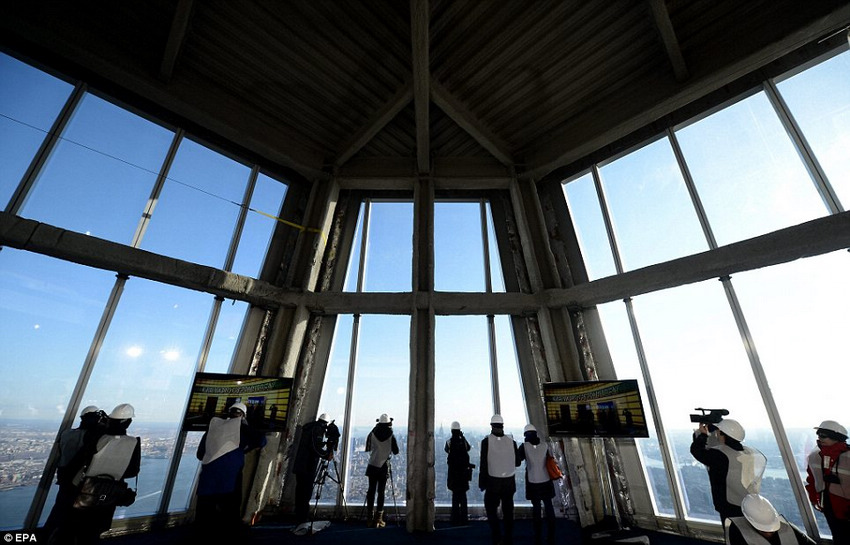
30 100
749 177
353 269
696 358
227 330
819 100
148 359
458 247
589 225
653 216
621 345
199 206
797 315
49 311
462 392
497 278
101 173
184 482
389 257
257 232
383 365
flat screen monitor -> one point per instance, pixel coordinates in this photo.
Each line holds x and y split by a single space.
266 398
599 408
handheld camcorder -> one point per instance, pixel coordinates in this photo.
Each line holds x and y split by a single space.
710 417
332 434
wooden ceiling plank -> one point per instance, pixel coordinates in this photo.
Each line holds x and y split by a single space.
419 16
461 115
668 38
378 121
176 35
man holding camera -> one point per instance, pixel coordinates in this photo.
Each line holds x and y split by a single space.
734 470
312 448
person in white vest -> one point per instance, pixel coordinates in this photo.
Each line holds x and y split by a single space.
761 524
116 455
828 479
218 512
734 470
496 477
380 444
539 488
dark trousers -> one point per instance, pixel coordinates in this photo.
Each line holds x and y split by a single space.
376 484
492 500
460 511
537 516
839 528
303 494
218 517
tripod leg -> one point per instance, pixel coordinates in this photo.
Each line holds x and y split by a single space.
392 491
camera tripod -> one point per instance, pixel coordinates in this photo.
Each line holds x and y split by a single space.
392 492
323 474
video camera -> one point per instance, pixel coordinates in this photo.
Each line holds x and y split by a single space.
710 417
332 433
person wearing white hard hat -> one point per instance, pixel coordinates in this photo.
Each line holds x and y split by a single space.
459 473
539 488
761 524
75 447
312 448
496 477
828 478
734 470
218 510
116 456
380 444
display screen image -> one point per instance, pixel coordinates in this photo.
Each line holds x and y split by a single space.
267 400
601 408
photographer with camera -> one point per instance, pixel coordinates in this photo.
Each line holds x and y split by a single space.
828 479
734 470
312 448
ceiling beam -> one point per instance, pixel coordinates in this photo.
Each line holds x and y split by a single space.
461 115
179 24
419 20
668 37
378 121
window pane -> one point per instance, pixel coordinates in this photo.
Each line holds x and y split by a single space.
497 278
389 258
462 392
49 311
749 177
353 270
148 359
257 233
653 217
458 247
199 206
696 359
230 320
621 345
30 100
589 225
383 367
797 314
101 174
819 99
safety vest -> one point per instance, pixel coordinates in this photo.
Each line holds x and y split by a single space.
840 467
113 456
535 462
752 537
380 450
223 436
745 471
501 456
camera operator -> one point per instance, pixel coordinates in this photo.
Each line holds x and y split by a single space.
734 470
312 447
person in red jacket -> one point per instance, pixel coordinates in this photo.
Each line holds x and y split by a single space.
828 479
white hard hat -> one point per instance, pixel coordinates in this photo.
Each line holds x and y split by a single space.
529 427
324 417
240 406
89 409
455 425
832 425
122 412
497 419
760 513
732 428
384 419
